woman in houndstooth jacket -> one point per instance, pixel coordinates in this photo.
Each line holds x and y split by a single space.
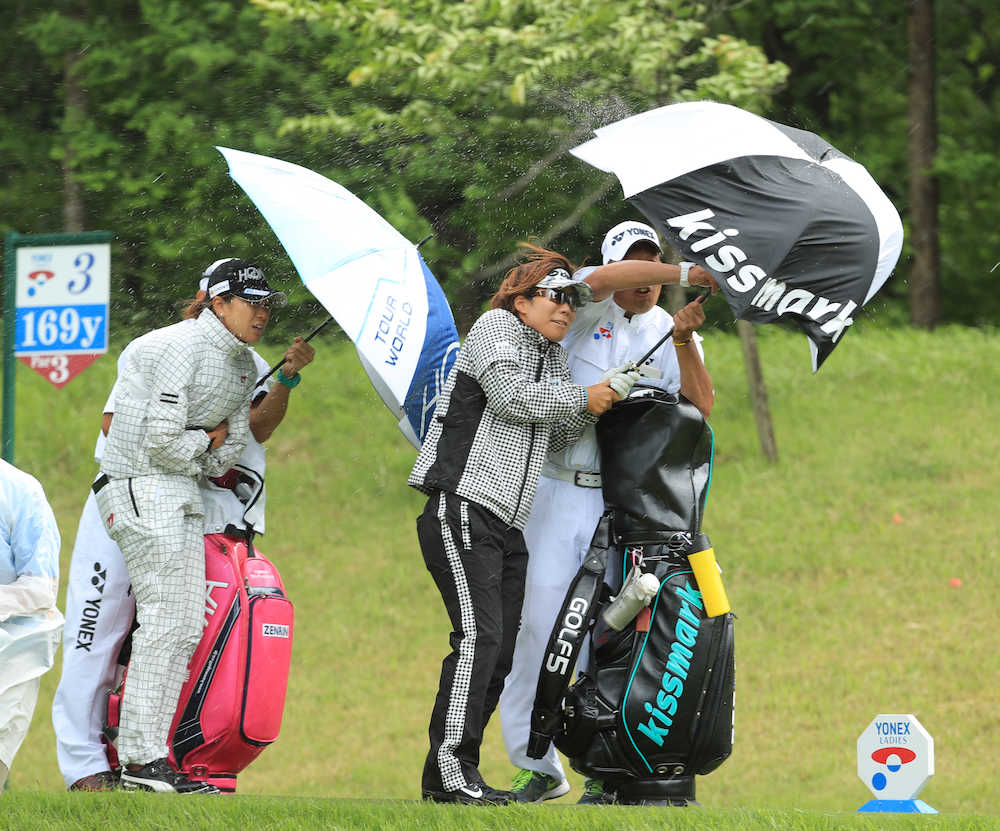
181 411
508 400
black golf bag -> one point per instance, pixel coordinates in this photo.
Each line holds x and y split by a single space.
655 706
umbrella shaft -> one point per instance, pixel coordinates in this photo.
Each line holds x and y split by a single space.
307 338
700 299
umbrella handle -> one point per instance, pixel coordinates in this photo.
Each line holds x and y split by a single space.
307 338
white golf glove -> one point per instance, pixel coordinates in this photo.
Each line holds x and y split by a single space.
622 382
617 370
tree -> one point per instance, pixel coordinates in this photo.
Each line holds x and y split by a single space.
925 280
124 102
460 115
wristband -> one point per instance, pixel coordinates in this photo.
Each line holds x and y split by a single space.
685 268
682 342
292 382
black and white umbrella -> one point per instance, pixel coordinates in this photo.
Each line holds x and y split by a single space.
790 227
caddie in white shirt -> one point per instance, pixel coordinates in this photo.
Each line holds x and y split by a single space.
620 325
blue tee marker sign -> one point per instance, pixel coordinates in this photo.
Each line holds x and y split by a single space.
62 300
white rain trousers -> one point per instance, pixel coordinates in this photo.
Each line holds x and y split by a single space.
100 608
29 622
558 533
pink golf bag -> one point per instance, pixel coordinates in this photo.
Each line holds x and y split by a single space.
230 707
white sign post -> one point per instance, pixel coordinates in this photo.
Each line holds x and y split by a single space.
895 760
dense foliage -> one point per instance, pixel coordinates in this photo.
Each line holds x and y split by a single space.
164 83
449 117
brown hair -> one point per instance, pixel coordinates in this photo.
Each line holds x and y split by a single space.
522 279
195 305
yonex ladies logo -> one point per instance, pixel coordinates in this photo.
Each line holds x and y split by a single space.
894 757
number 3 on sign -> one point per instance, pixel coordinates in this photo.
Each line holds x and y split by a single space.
59 373
84 262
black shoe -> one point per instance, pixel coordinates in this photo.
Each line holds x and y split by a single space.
478 793
594 793
106 780
160 777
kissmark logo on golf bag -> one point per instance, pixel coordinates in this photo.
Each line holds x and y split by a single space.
677 707
677 666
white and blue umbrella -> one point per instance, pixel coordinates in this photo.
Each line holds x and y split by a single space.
367 275
790 227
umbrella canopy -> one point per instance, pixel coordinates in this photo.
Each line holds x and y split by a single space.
370 278
789 226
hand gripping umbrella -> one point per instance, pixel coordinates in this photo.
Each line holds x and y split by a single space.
789 226
367 275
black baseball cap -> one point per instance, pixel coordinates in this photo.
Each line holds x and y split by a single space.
243 279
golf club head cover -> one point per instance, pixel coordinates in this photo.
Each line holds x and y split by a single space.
566 640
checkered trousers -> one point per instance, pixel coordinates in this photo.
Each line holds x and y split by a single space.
508 400
157 523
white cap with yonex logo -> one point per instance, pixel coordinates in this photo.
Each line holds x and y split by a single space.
623 236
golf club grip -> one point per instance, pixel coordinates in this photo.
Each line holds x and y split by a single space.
656 346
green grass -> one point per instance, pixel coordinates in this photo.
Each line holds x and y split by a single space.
837 561
148 812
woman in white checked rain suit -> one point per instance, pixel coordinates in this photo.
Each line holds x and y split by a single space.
181 411
100 607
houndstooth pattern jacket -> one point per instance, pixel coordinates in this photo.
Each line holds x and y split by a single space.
508 400
180 382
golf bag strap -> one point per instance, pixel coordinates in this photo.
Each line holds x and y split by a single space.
566 640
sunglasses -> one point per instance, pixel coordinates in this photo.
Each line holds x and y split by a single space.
559 296
267 302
